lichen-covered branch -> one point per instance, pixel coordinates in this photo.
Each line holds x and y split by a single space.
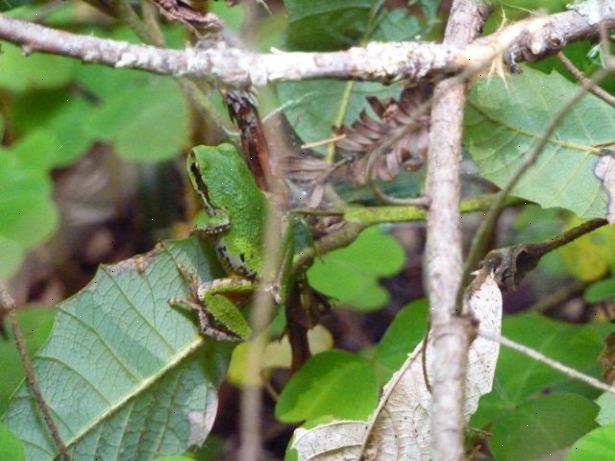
414 61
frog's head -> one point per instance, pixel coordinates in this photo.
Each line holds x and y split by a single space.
203 163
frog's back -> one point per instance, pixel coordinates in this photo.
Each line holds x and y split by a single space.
231 186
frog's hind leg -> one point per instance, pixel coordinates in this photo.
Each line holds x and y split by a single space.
219 316
208 324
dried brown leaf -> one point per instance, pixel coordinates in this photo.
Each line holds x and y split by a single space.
367 134
361 139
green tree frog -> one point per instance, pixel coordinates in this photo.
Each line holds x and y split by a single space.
236 211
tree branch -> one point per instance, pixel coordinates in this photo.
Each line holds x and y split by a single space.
451 333
529 39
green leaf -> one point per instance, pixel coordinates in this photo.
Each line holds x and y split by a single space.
147 121
600 291
11 448
35 325
59 112
335 383
403 334
541 427
518 379
124 374
351 274
38 71
27 214
598 445
505 119
315 107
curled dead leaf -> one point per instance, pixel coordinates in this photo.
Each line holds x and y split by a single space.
605 172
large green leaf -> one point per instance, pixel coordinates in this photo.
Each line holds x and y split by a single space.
125 375
518 379
314 108
335 383
504 119
541 427
351 274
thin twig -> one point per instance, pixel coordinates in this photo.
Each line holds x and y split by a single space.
150 20
124 11
534 354
586 82
8 304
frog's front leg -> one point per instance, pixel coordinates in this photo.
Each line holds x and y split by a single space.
211 224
